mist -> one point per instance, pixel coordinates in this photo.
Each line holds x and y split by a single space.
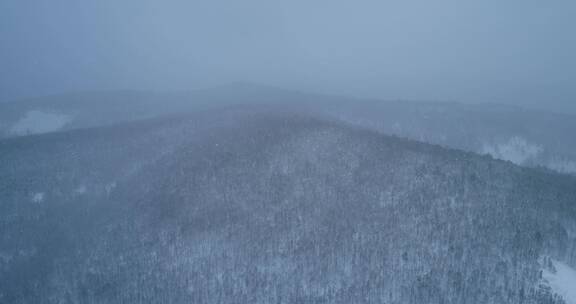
289 152
517 52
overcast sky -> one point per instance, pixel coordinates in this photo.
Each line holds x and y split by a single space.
516 51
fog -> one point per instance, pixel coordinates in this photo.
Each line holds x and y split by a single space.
298 151
518 52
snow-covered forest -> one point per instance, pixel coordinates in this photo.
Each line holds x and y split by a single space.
266 206
287 152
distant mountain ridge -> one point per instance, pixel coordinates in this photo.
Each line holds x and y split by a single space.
525 137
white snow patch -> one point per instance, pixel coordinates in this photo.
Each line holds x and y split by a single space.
561 278
36 122
563 166
516 150
38 197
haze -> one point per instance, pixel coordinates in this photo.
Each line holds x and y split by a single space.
518 52
298 151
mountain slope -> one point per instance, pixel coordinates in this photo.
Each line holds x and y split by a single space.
525 137
254 206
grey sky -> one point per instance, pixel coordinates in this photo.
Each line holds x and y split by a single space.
494 51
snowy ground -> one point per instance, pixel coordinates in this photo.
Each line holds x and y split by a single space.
36 122
516 150
562 281
563 166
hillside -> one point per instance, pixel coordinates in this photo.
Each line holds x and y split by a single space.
525 137
267 206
